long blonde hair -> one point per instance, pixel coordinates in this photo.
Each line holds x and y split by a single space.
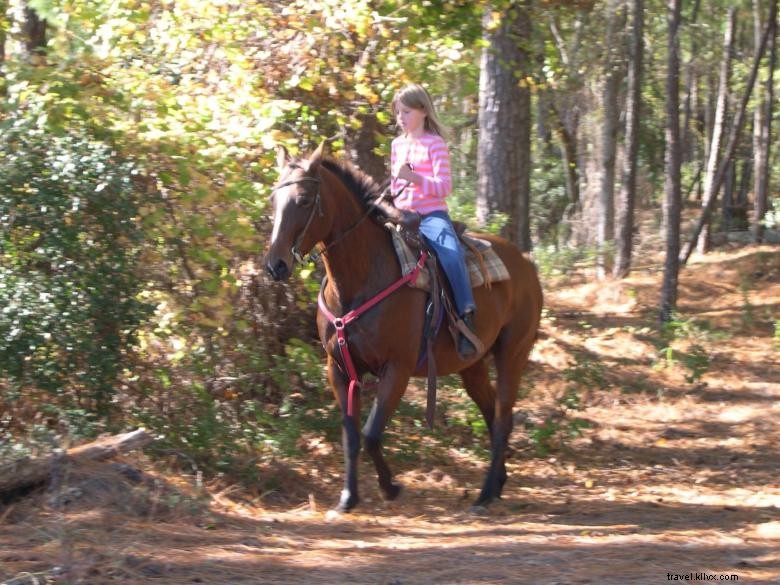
417 97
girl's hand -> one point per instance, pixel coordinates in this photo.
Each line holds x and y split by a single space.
407 174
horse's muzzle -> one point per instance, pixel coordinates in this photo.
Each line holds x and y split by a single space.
278 271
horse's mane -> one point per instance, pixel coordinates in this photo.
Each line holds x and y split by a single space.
361 185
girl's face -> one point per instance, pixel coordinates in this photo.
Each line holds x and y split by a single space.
411 120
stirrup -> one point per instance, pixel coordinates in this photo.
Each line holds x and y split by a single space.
465 346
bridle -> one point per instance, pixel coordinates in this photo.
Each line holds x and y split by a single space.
317 206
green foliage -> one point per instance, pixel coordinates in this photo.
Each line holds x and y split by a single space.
772 217
748 311
549 199
69 251
227 427
555 260
692 336
561 424
585 373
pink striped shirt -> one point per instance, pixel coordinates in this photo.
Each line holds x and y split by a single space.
430 158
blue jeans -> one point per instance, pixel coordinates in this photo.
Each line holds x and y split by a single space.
436 228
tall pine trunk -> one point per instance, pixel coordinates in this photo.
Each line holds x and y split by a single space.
719 127
504 150
3 9
611 86
672 159
762 131
689 102
627 198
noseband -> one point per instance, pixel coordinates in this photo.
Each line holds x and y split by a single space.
317 206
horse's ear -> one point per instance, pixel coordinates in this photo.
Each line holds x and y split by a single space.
282 157
316 158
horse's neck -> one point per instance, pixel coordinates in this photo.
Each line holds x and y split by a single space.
359 265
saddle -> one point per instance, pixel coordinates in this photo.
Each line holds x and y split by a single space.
484 267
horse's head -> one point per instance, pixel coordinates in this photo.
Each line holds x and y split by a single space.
298 212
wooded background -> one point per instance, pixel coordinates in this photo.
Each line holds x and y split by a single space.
136 160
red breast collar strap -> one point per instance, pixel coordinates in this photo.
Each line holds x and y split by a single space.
340 323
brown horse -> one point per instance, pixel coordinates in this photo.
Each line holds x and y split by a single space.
320 200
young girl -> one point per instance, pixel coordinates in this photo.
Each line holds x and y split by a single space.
420 172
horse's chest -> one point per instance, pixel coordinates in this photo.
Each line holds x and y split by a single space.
369 340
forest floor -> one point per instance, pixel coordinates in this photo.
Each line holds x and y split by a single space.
677 473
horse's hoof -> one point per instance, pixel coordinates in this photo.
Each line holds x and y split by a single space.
346 503
481 505
333 515
395 490
479 510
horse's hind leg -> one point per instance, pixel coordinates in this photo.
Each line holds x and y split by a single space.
511 358
392 385
476 381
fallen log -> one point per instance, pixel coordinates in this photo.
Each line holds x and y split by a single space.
33 470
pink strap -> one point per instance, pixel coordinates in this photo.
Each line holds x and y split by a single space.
340 324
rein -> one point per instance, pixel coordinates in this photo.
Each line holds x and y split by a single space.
371 207
340 323
315 256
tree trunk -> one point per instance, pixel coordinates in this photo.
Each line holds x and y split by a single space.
34 35
544 114
568 141
729 186
672 159
707 123
504 150
627 198
719 127
3 24
361 149
762 133
737 214
686 140
735 133
606 202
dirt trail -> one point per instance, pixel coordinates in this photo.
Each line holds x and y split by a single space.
672 478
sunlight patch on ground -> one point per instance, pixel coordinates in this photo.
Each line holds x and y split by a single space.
611 296
619 344
739 414
712 496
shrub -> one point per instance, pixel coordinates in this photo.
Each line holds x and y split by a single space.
69 247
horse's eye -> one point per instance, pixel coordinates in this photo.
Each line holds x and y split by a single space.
304 200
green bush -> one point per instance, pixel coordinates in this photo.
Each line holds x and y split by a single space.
561 423
257 416
694 334
69 250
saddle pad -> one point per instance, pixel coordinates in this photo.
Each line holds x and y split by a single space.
494 267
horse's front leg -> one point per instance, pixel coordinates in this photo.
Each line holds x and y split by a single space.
392 385
350 436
